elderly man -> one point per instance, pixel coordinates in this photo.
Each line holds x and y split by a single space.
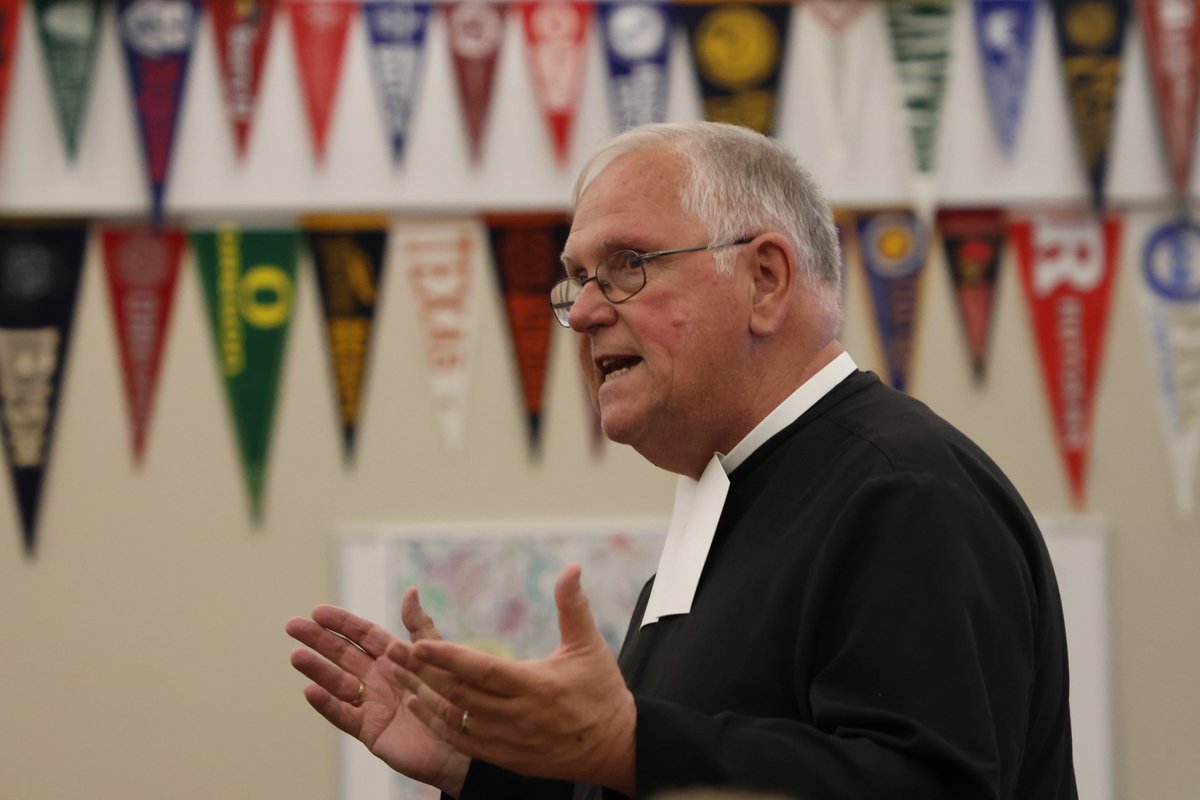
852 601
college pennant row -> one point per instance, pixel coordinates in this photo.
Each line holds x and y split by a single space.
69 30
737 50
348 257
142 267
39 281
1170 269
637 46
249 284
1004 32
894 246
525 254
157 36
1067 263
396 38
555 31
1171 29
242 31
973 240
443 260
839 58
319 30
474 33
1091 40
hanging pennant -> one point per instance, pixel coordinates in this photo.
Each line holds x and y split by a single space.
443 260
347 255
319 36
973 240
69 30
142 265
242 30
1004 32
893 246
396 37
249 283
1067 263
10 25
1172 32
839 58
1171 298
637 44
157 36
475 32
39 281
525 253
737 50
554 35
1091 38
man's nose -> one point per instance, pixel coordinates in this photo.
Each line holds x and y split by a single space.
590 308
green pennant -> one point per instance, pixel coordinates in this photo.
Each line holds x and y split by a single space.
920 33
69 30
249 280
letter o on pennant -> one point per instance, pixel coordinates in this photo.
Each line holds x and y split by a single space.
265 296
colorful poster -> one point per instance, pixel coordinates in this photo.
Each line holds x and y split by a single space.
637 45
249 283
1004 31
839 59
319 37
157 36
142 265
10 25
1067 263
69 30
348 257
474 33
973 240
738 51
242 30
555 31
1171 29
396 38
39 280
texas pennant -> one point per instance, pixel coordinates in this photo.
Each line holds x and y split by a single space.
347 254
839 58
474 32
249 283
242 29
69 30
443 260
1004 32
396 35
319 36
1091 39
1171 281
39 281
737 50
525 253
10 21
1067 263
157 37
142 265
973 240
637 44
1172 32
893 246
555 31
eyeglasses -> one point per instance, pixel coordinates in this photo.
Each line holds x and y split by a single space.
620 275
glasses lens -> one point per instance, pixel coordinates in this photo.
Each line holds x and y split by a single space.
621 275
562 297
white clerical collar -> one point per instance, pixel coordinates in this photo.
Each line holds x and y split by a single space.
698 504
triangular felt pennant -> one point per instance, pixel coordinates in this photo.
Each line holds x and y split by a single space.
893 246
474 33
1172 32
242 30
839 59
738 50
555 31
347 254
525 253
69 30
396 36
39 281
637 45
973 240
319 36
157 37
1091 40
249 283
142 265
1067 263
1171 282
444 259
10 23
1004 31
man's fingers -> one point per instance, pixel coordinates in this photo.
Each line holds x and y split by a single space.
345 717
575 622
418 623
437 687
482 671
365 634
335 647
336 681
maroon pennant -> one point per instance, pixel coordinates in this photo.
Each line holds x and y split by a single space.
973 240
1172 33
475 32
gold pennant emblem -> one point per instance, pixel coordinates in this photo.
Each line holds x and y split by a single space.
1091 25
736 47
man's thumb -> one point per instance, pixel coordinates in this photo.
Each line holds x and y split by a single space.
575 623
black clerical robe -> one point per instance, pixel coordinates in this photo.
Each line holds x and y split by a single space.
877 618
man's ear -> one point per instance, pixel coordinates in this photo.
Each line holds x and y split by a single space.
774 276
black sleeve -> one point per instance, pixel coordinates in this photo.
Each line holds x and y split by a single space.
488 782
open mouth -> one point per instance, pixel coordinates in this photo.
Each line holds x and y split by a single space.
615 367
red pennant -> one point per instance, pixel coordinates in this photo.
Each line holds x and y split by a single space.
554 35
1172 32
10 23
319 34
1067 263
475 32
973 240
242 30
